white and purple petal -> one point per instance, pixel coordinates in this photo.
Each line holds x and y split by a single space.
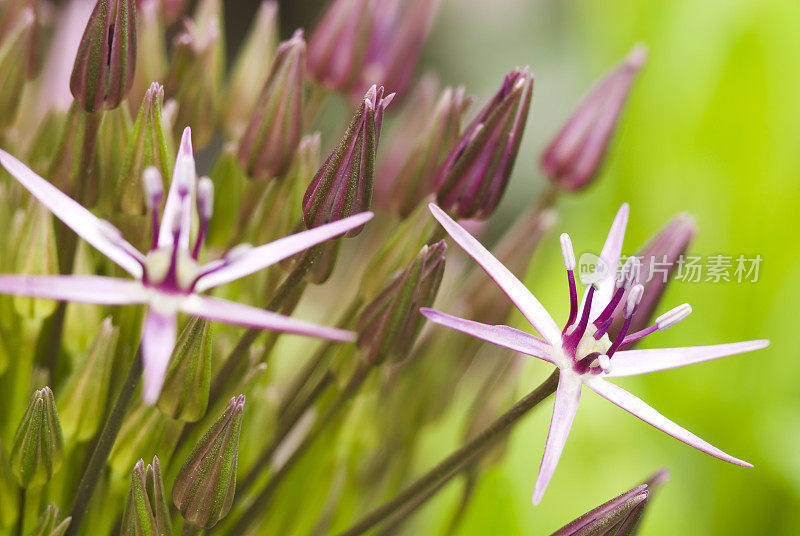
632 362
180 196
158 341
75 288
606 272
504 336
260 257
240 314
99 233
528 305
639 408
568 395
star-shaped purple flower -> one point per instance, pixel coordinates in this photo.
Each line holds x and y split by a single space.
583 351
169 278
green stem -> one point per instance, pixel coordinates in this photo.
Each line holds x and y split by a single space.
30 509
99 457
450 466
256 507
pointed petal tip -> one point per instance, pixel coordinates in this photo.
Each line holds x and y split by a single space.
186 142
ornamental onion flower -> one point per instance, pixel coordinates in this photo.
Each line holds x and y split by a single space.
169 278
583 351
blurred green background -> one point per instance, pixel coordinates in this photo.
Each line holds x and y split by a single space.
711 129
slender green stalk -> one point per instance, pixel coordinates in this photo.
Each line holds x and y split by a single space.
99 457
260 503
30 509
450 466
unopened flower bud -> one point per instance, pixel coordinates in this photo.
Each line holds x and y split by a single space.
36 255
575 155
188 380
104 67
389 325
147 512
343 185
206 483
339 43
474 176
49 525
9 493
419 147
398 34
251 68
194 78
618 517
271 138
38 444
659 260
83 398
16 46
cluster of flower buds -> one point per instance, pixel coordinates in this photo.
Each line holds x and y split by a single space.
474 176
388 327
49 523
575 155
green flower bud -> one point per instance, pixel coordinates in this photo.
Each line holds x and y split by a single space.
251 68
388 327
206 483
272 136
38 444
104 67
36 255
83 398
9 492
48 524
15 48
147 511
188 380
147 146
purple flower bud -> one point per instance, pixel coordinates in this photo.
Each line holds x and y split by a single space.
338 45
399 31
270 141
104 68
575 155
206 483
389 325
343 185
472 180
419 147
659 260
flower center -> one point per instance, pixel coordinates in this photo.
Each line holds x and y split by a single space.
170 269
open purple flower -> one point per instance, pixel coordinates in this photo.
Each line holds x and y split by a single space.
583 351
169 278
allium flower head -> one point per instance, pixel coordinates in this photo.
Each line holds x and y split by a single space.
474 176
582 350
574 156
169 278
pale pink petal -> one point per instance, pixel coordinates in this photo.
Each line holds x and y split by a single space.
262 256
505 336
179 198
158 341
245 315
639 408
632 362
568 395
612 249
530 307
76 288
99 233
